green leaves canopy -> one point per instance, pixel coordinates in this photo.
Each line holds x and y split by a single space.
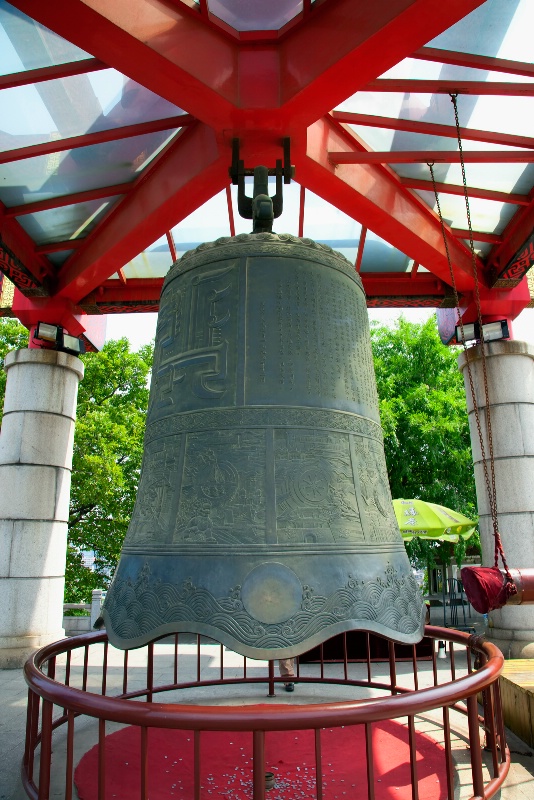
108 449
424 417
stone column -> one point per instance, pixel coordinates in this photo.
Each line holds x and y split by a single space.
510 371
36 444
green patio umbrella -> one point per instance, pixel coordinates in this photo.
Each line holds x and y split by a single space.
417 518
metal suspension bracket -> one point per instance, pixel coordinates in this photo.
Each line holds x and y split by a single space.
262 208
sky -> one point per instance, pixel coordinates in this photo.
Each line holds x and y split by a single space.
141 328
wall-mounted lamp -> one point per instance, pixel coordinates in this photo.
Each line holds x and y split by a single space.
491 331
61 341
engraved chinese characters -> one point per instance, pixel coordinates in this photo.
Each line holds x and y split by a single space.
263 517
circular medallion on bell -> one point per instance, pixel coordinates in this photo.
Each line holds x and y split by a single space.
271 593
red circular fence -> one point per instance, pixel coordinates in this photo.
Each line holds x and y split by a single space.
55 703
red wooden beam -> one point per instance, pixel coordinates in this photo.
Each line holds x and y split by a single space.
384 285
16 271
405 301
475 61
433 129
302 203
115 292
516 234
411 86
478 236
230 207
394 284
59 247
172 248
54 72
343 45
163 46
28 270
68 199
373 195
472 191
497 303
185 175
434 156
361 245
95 137
334 51
517 267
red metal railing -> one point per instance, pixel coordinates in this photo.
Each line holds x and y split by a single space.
57 702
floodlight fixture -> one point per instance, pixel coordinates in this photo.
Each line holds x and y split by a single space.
61 341
491 330
46 332
71 344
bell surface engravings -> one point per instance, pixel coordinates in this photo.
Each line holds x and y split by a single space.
263 517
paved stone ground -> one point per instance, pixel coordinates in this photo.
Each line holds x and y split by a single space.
13 693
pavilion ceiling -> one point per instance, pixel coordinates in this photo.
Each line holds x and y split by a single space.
119 120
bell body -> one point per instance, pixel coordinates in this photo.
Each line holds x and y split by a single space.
263 517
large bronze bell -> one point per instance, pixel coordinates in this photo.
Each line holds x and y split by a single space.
263 517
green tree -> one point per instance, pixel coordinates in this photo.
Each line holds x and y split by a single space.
426 432
108 449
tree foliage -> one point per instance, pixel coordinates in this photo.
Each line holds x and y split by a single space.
426 431
108 449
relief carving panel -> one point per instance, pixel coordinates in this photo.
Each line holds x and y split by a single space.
223 489
196 343
308 341
315 493
371 474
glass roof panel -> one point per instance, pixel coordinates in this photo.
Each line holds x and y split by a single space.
77 170
207 223
255 15
379 256
154 262
516 178
58 259
486 215
419 69
482 249
328 225
383 139
504 114
24 44
75 106
68 222
498 28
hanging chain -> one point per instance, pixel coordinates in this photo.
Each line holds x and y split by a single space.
491 496
489 475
